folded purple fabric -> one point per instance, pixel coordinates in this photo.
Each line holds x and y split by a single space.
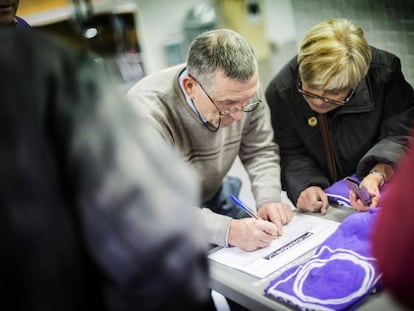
340 275
338 192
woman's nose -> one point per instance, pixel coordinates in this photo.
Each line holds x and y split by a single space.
318 101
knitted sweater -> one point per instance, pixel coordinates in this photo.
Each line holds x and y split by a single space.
211 154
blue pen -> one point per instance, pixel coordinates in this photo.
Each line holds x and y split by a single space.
244 207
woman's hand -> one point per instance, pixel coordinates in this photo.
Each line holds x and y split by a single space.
372 183
313 199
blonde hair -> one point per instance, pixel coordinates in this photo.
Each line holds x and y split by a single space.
334 55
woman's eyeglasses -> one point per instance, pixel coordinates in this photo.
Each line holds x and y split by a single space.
327 99
248 107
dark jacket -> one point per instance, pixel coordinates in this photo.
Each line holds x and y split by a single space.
95 210
373 127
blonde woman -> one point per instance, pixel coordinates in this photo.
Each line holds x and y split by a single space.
339 107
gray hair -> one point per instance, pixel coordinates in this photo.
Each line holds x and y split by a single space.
221 50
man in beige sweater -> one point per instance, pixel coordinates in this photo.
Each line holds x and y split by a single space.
211 110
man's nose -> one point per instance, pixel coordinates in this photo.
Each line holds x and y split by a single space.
237 115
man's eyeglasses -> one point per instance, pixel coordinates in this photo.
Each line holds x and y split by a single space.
327 99
248 107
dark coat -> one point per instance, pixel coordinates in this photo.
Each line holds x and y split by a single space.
95 210
373 127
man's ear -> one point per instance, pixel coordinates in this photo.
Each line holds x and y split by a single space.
189 86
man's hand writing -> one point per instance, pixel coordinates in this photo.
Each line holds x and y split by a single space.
250 234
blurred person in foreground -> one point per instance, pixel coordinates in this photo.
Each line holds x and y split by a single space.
393 237
8 17
211 110
95 211
339 107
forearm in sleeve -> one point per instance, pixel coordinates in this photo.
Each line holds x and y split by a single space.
215 226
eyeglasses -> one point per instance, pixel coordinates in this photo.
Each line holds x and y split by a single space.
248 107
327 99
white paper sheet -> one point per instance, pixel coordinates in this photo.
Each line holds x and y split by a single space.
301 235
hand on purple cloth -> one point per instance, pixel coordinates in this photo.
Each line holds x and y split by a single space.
338 192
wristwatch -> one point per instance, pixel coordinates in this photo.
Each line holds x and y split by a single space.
379 173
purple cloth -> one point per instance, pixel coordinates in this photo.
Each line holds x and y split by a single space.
340 275
338 192
22 24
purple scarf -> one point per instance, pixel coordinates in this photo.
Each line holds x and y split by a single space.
340 275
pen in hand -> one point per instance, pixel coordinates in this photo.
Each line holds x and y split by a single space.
248 210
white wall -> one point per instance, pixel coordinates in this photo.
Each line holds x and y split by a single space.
157 21
279 21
